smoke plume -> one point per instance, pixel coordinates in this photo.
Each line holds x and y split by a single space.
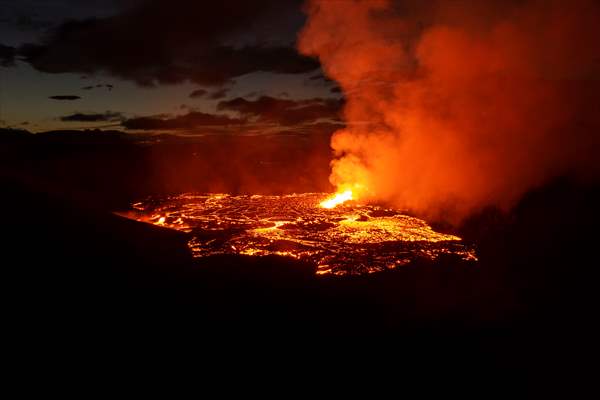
456 105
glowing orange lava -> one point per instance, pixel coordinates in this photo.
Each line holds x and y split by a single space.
337 199
354 238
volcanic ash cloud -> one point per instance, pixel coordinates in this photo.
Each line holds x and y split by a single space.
453 106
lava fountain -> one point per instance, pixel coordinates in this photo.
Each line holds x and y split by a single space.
337 199
337 233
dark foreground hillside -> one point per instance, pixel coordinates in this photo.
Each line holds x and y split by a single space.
521 320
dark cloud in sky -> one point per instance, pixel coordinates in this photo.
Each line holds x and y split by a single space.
189 121
108 116
300 116
171 41
284 111
101 85
320 77
30 22
219 94
23 21
214 95
64 97
198 93
7 56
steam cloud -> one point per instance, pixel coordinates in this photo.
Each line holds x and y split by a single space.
456 105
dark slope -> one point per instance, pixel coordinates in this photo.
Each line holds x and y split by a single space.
76 274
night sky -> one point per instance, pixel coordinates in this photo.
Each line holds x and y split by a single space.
186 67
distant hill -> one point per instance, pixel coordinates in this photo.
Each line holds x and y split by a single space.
13 133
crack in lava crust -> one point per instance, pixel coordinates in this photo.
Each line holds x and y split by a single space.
349 239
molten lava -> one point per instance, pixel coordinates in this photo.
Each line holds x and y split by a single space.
338 236
337 199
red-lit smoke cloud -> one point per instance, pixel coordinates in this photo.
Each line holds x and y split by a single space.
456 105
